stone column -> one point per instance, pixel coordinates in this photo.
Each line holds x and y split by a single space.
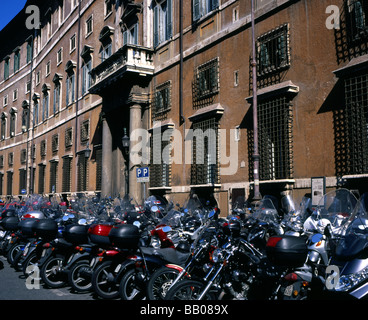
135 188
106 159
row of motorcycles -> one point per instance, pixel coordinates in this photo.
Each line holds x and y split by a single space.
117 249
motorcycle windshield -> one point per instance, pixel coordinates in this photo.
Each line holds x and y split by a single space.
265 211
194 207
240 205
337 208
172 218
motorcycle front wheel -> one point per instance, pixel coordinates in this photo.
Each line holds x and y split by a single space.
131 287
103 283
160 282
80 276
52 272
188 290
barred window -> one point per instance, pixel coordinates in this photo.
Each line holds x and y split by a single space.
273 50
357 19
207 79
55 143
82 173
53 176
160 168
352 141
84 131
162 102
275 139
205 168
67 169
9 183
41 178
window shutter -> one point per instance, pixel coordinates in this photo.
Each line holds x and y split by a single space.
125 37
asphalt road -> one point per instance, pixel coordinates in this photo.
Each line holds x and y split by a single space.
13 286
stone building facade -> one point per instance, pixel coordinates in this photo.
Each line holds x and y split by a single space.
175 77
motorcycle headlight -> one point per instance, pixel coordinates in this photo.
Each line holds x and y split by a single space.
346 282
216 255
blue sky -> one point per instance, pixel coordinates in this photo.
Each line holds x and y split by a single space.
9 9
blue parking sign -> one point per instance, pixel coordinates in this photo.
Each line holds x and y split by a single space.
142 174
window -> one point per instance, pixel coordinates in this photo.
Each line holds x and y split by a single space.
23 156
356 20
67 170
15 94
57 93
162 101
59 57
9 183
35 112
38 78
28 86
86 76
68 138
41 178
55 143
72 43
98 168
10 159
70 94
108 7
84 135
6 68
275 138
207 79
1 161
48 68
203 7
5 100
89 25
106 42
13 120
82 173
43 149
3 125
160 168
29 51
25 117
45 103
273 51
53 176
16 60
106 51
22 180
204 169
162 26
130 36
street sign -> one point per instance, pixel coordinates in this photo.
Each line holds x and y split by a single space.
142 174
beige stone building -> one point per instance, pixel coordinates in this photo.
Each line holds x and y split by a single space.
177 76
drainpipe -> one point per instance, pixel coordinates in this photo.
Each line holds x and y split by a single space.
257 194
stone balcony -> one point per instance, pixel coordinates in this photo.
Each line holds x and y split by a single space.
128 62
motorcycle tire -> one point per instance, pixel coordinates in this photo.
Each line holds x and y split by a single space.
13 251
160 282
79 280
130 288
18 261
29 263
52 274
103 281
188 290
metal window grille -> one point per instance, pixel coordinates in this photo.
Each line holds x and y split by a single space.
162 101
355 144
356 19
67 170
205 167
41 178
207 79
9 183
53 176
273 53
275 139
84 131
82 173
98 169
55 143
160 168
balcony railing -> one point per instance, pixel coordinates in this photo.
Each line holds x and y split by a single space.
128 60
